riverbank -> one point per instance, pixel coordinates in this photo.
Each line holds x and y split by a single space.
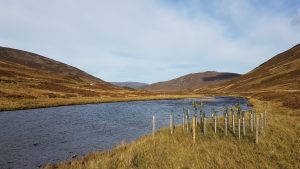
279 148
7 104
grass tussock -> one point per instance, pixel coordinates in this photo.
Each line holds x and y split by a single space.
279 148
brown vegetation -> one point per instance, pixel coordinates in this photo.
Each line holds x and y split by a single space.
191 81
29 80
278 79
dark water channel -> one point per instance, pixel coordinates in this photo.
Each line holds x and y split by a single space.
30 138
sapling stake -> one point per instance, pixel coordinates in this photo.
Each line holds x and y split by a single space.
265 119
262 124
244 125
214 114
187 120
183 123
200 113
233 127
153 126
194 129
204 126
256 127
171 123
251 120
204 123
239 121
225 113
226 120
254 118
195 105
238 107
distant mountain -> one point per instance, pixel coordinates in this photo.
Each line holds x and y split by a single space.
277 79
191 81
28 75
133 85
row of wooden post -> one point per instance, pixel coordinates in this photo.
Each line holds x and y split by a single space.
259 123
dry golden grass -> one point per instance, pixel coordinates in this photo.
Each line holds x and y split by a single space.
29 103
279 148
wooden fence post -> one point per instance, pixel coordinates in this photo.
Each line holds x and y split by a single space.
204 126
233 127
215 120
226 123
202 115
262 124
251 121
237 116
171 123
153 126
187 120
194 129
254 119
265 119
200 118
183 119
256 128
239 123
196 119
244 125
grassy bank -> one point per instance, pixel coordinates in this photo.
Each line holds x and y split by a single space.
20 104
279 148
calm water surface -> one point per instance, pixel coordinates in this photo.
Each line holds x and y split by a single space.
30 138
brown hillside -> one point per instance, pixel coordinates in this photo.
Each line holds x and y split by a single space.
277 79
25 75
191 81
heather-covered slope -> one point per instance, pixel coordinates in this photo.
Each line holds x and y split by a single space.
277 79
191 81
28 80
24 74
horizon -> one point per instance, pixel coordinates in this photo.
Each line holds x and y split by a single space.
132 81
152 41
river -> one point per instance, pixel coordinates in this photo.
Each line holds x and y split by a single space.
31 138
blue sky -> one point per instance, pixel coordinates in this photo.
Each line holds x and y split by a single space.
152 40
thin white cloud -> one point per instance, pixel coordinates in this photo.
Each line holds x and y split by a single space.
133 40
296 19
